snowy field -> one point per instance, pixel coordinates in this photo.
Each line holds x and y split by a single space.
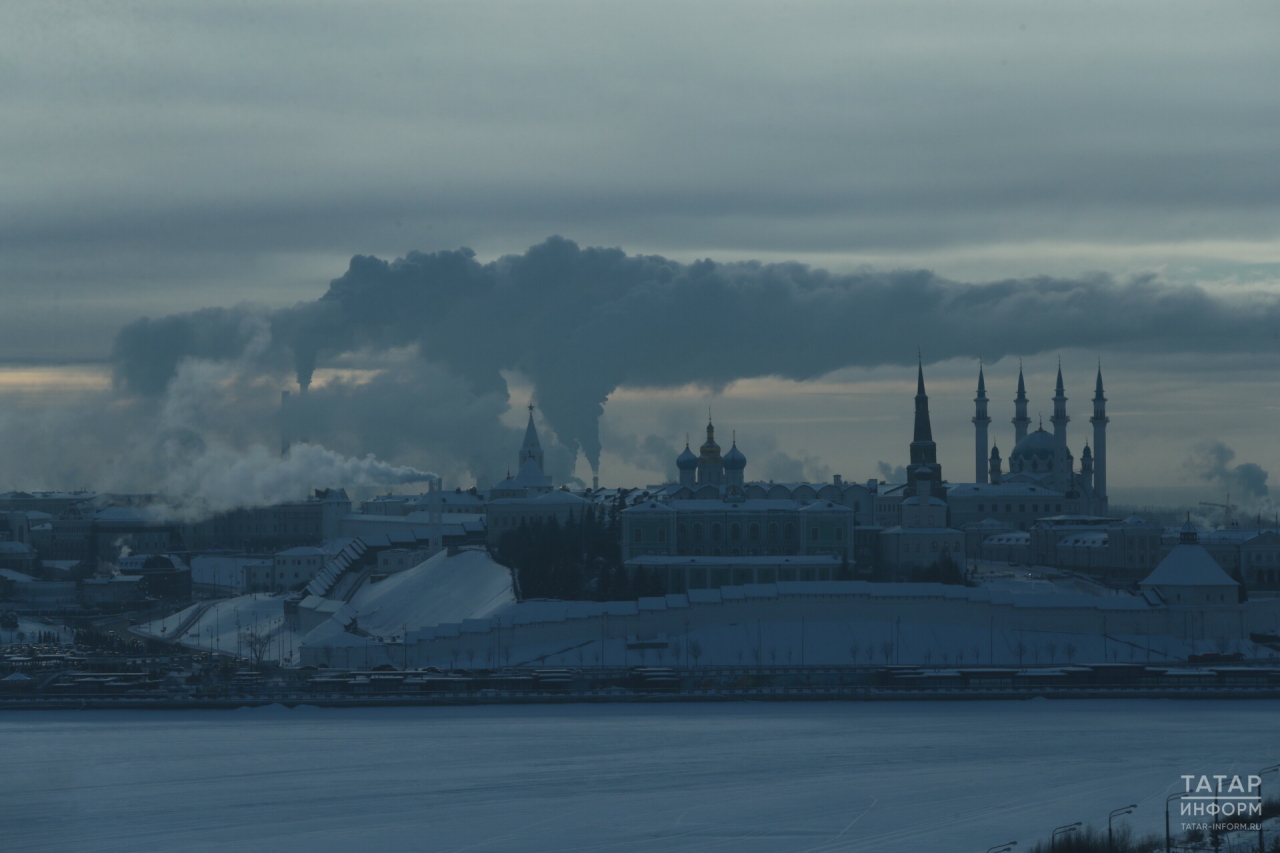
804 778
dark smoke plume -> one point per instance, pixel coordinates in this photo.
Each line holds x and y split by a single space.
581 322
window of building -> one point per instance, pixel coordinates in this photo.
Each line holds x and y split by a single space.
813 534
1022 507
637 535
682 530
753 532
716 533
1008 507
735 531
662 535
697 532
1057 507
773 532
789 531
839 534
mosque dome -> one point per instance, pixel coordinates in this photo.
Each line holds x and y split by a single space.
1037 445
734 460
686 461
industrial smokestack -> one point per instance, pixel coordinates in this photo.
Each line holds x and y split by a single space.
284 423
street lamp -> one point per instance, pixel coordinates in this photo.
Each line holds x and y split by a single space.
1002 848
1262 802
1168 844
1123 810
1062 830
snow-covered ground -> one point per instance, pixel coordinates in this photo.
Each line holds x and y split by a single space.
30 630
220 626
803 778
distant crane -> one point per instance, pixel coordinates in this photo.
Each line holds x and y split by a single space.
1227 520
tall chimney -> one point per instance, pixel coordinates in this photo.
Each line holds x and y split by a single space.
284 423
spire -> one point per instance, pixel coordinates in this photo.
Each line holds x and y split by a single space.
1099 421
923 430
980 423
1020 419
923 450
532 447
1060 419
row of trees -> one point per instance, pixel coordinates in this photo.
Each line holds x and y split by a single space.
579 559
582 559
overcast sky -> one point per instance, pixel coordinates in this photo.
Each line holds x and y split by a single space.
163 158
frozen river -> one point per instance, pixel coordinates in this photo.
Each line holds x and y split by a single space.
819 777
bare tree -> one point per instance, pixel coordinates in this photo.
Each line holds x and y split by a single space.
870 652
257 642
1052 648
1070 650
853 652
959 657
695 651
1021 649
739 654
471 658
886 649
773 654
1222 644
946 658
928 656
1035 652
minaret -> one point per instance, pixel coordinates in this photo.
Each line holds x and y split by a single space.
923 450
1020 419
1059 419
1099 421
996 475
980 424
1086 467
532 448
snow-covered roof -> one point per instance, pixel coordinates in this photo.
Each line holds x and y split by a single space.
804 560
1012 537
302 551
898 531
998 490
915 501
1188 565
